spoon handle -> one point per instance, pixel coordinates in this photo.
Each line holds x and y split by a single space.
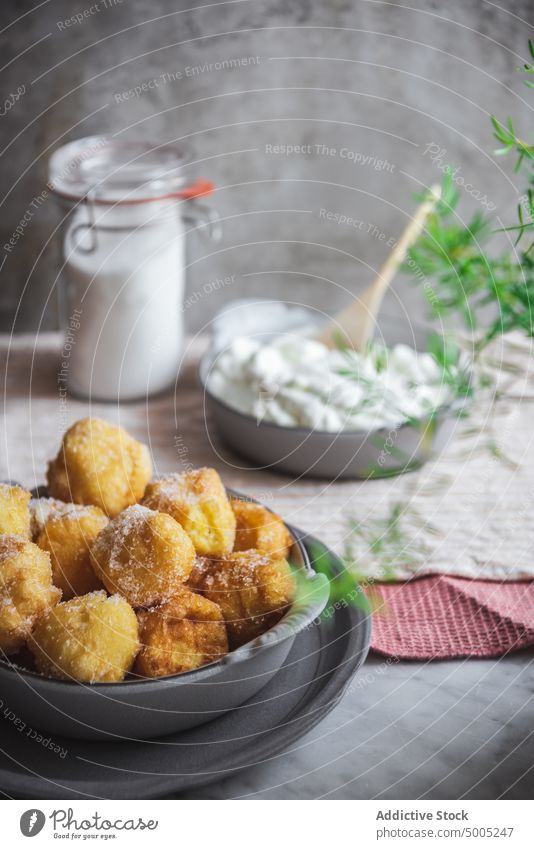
356 322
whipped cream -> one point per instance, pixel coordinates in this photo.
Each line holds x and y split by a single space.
299 382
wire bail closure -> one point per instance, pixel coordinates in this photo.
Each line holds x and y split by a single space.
206 219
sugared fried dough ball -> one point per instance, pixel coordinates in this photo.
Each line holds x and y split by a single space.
99 463
144 555
197 499
201 567
26 589
40 511
253 590
258 528
90 638
68 535
14 510
185 633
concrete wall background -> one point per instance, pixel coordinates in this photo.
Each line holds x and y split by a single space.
376 78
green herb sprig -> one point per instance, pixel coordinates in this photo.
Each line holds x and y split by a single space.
462 279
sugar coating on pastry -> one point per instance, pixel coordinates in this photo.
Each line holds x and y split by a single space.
26 589
14 510
90 638
99 463
143 555
253 589
184 633
257 527
68 535
201 567
40 511
197 500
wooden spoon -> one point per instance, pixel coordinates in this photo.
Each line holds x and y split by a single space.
356 323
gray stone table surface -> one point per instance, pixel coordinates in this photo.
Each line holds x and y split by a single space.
448 729
458 729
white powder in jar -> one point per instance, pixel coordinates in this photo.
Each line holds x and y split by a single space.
128 291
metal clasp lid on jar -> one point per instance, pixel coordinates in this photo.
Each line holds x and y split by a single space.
101 171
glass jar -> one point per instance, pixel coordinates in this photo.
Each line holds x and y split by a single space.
123 269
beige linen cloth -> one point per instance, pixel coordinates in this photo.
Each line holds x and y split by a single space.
467 513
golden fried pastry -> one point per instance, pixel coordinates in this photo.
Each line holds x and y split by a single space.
144 555
90 638
185 633
257 527
14 510
26 589
201 567
40 511
99 463
253 590
197 499
68 535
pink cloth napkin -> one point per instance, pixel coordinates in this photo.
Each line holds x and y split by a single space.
443 617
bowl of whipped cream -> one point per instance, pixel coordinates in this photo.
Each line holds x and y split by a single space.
283 400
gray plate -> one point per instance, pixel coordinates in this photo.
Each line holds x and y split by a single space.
319 667
304 452
147 707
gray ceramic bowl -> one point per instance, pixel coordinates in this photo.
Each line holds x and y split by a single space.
305 452
141 709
